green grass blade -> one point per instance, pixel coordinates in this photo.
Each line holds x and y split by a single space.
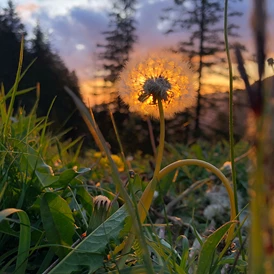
101 143
209 248
42 137
78 150
46 262
27 68
71 144
15 86
3 106
119 141
166 253
185 252
24 239
21 92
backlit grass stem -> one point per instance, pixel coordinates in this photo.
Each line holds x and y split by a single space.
100 141
231 122
147 196
14 89
231 136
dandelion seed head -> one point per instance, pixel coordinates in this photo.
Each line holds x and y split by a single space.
161 76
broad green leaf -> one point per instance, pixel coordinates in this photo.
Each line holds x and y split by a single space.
57 221
209 248
90 253
67 176
24 239
85 199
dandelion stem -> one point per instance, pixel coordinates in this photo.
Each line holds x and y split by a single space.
146 199
161 141
215 171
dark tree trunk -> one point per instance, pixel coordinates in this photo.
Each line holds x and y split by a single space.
200 71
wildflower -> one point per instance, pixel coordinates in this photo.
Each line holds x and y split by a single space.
101 206
101 202
104 161
163 76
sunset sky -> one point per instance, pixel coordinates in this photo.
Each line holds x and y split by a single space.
75 27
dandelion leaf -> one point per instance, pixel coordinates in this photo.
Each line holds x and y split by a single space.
90 253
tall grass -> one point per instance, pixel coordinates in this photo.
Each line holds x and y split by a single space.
55 218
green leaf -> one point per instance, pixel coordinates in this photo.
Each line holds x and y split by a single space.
24 239
209 248
241 265
5 228
31 161
67 176
90 253
57 221
85 199
165 251
185 252
140 269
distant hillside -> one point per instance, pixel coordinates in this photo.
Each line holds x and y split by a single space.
215 110
214 123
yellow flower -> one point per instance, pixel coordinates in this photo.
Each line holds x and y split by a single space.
104 161
159 76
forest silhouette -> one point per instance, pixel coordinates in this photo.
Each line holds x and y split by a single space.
50 71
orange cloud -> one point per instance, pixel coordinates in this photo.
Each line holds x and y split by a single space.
29 7
25 10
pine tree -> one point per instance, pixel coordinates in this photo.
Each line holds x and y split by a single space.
10 22
120 38
52 74
203 20
48 69
11 33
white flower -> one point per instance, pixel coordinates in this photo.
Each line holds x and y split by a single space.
159 76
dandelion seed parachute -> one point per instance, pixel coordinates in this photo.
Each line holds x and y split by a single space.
158 76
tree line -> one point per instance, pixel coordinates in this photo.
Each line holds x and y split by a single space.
48 69
200 19
201 22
